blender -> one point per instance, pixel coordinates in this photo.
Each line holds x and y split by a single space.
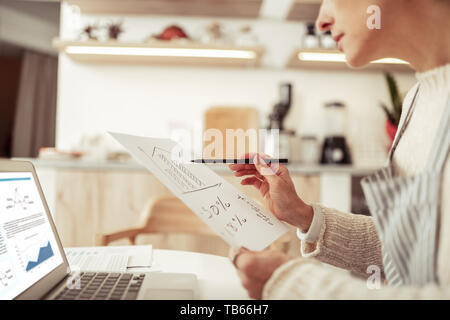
335 149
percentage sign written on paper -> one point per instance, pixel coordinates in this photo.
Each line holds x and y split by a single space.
235 224
225 205
239 221
216 208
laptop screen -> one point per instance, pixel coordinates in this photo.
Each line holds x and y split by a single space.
28 247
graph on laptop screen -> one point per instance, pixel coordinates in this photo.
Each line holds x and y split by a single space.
28 248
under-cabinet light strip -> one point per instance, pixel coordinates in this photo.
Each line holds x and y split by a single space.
162 52
339 57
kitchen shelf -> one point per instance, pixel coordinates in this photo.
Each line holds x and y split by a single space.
192 54
301 10
208 8
332 59
304 10
161 52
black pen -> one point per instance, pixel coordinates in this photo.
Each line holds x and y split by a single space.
243 161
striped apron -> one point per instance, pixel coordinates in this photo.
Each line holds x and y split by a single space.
406 211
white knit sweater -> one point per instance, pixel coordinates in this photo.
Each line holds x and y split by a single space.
351 242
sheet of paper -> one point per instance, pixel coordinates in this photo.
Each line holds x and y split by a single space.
91 260
139 256
110 259
239 220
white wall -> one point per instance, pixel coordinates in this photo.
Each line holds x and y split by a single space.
149 100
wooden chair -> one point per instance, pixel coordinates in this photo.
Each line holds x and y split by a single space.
167 215
162 215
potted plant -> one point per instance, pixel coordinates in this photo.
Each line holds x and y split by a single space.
393 114
90 32
114 29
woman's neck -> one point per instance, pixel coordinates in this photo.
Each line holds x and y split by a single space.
429 44
434 55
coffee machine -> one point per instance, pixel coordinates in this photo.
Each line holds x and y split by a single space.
281 109
277 141
335 149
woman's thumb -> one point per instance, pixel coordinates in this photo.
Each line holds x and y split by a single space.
264 169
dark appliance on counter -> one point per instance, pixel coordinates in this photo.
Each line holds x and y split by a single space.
281 109
279 144
335 149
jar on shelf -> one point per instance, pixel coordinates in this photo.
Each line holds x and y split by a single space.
310 39
327 41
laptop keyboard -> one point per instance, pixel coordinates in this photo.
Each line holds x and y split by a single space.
104 286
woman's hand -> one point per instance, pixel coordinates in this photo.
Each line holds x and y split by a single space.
255 268
277 189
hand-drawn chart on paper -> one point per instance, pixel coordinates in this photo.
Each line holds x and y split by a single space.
239 220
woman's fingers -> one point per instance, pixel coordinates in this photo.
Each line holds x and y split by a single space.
242 173
254 287
241 166
247 166
258 184
269 172
264 189
252 181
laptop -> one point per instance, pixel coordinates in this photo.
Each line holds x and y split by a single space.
33 264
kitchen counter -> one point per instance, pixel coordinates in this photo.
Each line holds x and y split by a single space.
294 168
106 196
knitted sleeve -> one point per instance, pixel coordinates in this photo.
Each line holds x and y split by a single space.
347 241
309 279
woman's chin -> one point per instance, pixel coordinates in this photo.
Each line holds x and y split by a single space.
355 61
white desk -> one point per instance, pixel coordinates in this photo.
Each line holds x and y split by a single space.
216 275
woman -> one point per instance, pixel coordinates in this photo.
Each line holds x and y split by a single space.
407 239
